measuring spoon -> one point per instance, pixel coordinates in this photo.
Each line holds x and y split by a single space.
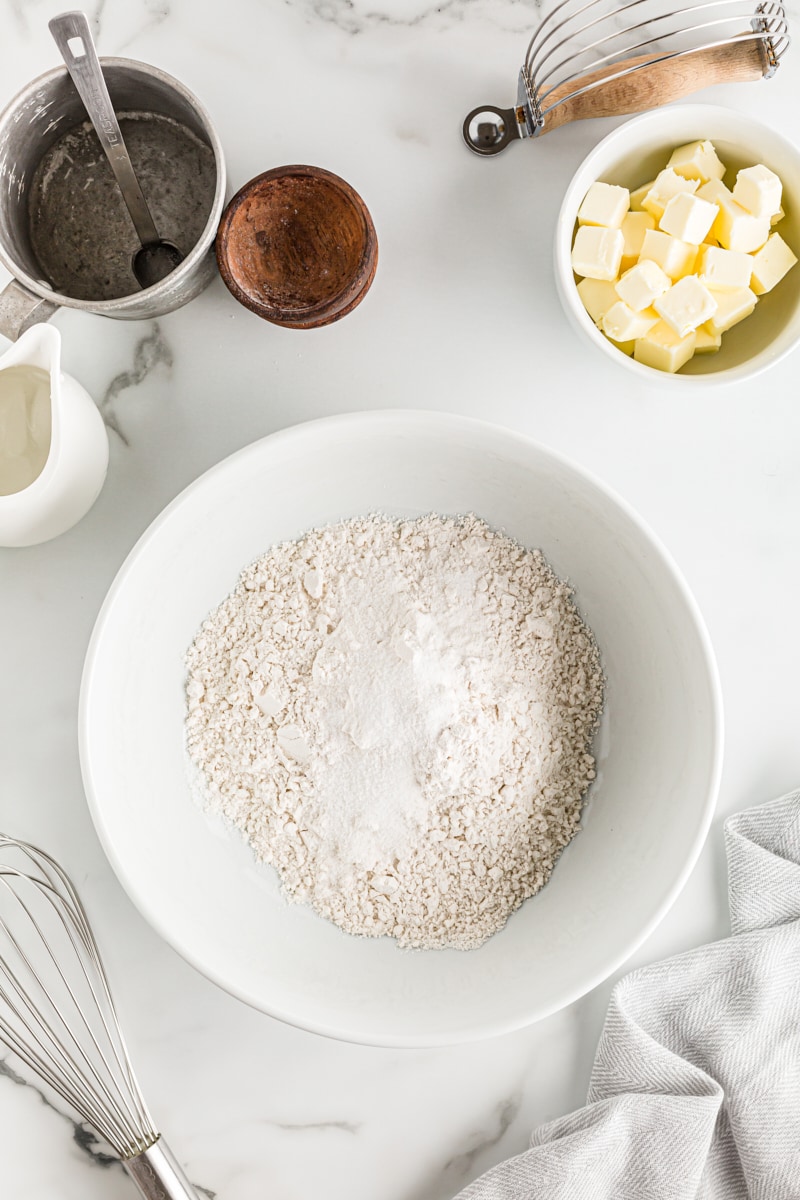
156 258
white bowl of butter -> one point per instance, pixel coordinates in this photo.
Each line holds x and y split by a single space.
635 154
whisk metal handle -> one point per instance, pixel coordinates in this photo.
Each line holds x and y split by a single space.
637 84
158 1175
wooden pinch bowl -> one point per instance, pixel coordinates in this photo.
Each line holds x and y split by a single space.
297 246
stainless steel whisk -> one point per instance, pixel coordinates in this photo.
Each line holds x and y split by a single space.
57 1015
597 58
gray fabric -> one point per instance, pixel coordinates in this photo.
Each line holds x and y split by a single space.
695 1091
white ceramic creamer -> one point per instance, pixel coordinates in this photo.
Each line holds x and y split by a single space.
53 443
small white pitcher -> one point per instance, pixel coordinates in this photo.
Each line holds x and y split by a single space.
75 468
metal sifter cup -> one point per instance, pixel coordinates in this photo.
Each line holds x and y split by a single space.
30 127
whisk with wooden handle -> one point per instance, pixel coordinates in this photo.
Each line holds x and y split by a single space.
57 1015
596 58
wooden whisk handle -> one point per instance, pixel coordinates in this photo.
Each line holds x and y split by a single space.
650 86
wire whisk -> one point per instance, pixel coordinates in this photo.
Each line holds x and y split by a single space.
596 58
57 1015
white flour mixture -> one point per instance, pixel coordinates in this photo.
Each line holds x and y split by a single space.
398 716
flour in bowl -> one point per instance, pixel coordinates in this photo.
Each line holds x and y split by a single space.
398 716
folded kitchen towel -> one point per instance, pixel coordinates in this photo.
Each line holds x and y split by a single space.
695 1090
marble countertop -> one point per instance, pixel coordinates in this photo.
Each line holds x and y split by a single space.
462 317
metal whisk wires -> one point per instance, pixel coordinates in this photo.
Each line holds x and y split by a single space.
56 1010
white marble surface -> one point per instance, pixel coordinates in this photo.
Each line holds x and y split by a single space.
462 317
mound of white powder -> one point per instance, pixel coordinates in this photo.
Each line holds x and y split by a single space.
398 716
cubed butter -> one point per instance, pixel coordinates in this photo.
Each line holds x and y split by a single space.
714 190
732 306
597 252
638 195
688 217
634 227
668 267
734 228
597 295
666 185
675 257
758 190
770 264
622 324
706 340
697 160
720 268
604 204
663 349
642 284
686 305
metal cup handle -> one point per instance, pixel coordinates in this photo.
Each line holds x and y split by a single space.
21 308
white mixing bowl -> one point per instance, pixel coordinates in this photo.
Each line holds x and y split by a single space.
633 154
659 746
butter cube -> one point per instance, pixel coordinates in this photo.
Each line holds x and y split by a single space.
634 226
688 217
597 252
770 264
738 230
758 190
597 295
642 284
714 190
622 324
663 349
697 160
732 306
720 268
686 305
707 342
638 195
666 185
604 204
734 228
675 257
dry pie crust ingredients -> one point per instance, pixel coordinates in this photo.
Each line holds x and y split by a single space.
398 716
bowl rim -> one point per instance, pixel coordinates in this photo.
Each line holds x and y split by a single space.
488 433
564 275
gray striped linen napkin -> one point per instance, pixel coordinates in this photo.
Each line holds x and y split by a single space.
695 1090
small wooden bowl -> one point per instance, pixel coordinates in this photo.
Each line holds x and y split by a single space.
297 247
